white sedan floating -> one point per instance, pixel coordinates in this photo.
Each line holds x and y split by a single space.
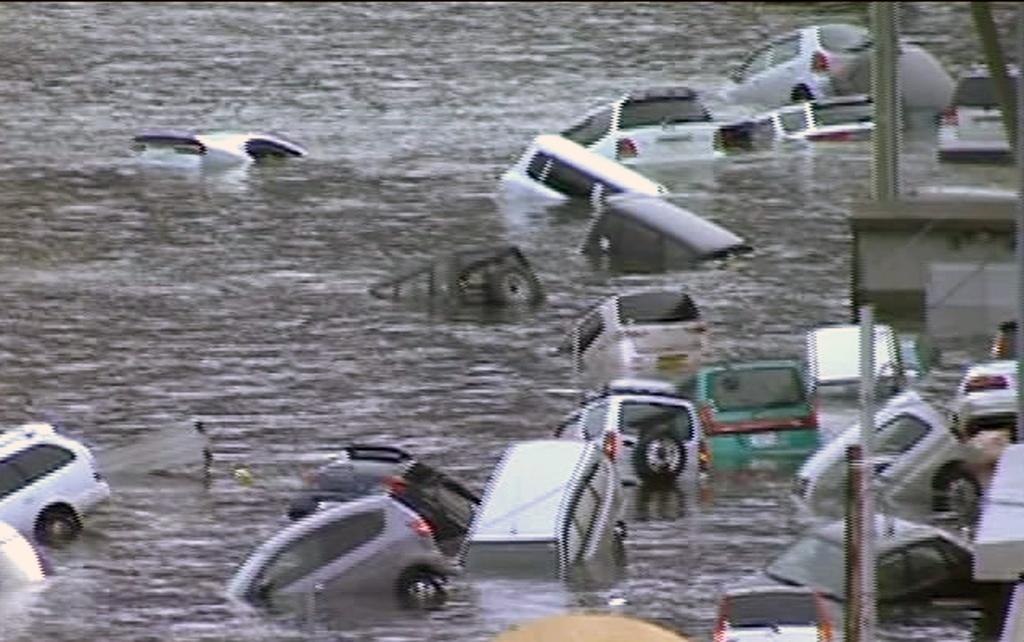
222 147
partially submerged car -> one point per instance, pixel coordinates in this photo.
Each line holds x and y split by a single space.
797 66
920 465
374 544
775 613
756 407
20 562
652 233
550 505
843 118
984 414
833 359
498 276
653 125
217 147
971 129
446 504
554 168
647 333
652 432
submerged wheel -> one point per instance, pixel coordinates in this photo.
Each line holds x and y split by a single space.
800 94
659 457
512 287
57 525
422 588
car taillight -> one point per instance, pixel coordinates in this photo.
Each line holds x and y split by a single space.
812 420
625 148
703 457
722 625
611 445
949 117
820 62
395 485
1001 347
707 417
422 527
986 382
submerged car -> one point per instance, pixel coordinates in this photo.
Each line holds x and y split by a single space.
971 128
756 407
797 66
920 465
219 147
554 168
498 276
446 504
654 125
984 414
833 359
774 613
20 562
550 505
374 544
651 432
648 333
843 118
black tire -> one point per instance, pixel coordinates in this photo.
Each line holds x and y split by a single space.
422 588
512 287
959 493
659 457
800 94
56 526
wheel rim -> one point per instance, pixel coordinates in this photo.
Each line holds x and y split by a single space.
423 589
58 529
516 289
662 455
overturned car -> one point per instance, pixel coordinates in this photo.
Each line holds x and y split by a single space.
496 276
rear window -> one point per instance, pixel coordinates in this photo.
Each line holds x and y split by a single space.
826 115
640 417
40 460
980 92
591 129
773 608
657 307
842 37
760 388
645 113
568 180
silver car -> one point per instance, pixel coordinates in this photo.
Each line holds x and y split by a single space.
372 544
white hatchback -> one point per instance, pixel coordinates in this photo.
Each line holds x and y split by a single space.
844 118
48 482
971 129
655 125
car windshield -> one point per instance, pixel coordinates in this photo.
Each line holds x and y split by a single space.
657 307
835 353
639 417
980 91
841 114
756 388
661 111
843 37
812 561
775 608
591 128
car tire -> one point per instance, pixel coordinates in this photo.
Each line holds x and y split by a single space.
512 287
959 493
56 526
800 94
659 457
422 588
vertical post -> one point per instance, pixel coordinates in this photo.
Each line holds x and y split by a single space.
1019 247
886 95
981 12
867 426
853 608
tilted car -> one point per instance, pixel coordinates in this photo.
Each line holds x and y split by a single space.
219 147
652 432
20 562
971 128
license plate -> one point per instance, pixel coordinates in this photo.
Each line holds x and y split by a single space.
764 439
672 362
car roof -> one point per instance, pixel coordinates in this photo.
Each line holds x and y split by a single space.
766 364
582 158
16 439
890 532
655 93
640 386
768 589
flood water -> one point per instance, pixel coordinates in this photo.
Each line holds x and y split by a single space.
138 298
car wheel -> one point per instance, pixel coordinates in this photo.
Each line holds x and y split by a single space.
959 493
422 588
659 457
512 287
800 94
56 526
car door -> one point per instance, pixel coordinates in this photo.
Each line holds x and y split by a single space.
901 451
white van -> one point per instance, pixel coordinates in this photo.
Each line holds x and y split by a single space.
649 333
550 504
557 169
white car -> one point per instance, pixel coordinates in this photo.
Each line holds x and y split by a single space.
655 125
48 482
775 613
844 118
216 148
554 168
648 333
833 359
797 66
920 465
984 413
971 128
19 561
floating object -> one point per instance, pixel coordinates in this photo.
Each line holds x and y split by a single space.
222 147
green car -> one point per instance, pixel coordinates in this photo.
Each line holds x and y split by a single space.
756 408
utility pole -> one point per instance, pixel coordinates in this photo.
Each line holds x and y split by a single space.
986 28
886 95
867 477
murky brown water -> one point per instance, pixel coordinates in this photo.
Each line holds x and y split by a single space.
137 299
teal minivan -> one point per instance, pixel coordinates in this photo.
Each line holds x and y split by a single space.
756 408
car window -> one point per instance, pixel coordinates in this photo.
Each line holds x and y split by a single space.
588 331
842 37
591 129
900 435
40 460
793 121
755 64
661 111
980 91
594 419
321 546
785 50
538 166
825 115
756 388
638 417
569 180
812 561
657 307
10 479
772 608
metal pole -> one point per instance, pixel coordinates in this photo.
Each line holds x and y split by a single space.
986 28
867 427
1019 248
852 535
886 96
